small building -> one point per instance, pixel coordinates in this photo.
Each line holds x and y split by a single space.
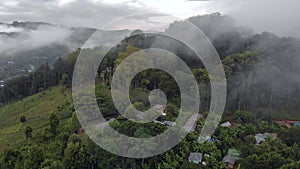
191 123
229 161
297 124
195 158
288 122
226 124
160 109
234 152
263 137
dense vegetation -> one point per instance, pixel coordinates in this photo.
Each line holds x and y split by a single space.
264 83
41 79
39 128
55 141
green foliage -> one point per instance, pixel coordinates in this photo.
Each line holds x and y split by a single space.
54 122
9 159
77 156
290 136
36 109
75 122
65 80
69 150
28 132
243 117
51 164
61 147
293 165
271 154
239 62
22 119
40 80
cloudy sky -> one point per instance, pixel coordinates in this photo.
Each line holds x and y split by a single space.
278 16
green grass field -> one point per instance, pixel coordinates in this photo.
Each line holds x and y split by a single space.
36 109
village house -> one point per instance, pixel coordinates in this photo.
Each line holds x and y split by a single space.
234 152
297 124
196 158
229 161
226 124
191 124
289 123
260 138
160 109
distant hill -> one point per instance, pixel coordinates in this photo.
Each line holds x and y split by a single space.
30 44
267 85
272 86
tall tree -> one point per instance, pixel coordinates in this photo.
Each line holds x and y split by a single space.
28 132
54 122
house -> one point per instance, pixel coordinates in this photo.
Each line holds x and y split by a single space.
296 124
169 123
226 124
234 152
195 158
160 109
229 161
263 137
288 122
191 123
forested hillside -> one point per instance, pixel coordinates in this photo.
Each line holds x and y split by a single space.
39 128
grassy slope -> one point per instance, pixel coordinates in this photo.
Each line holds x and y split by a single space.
36 109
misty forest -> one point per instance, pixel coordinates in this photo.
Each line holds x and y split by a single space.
260 126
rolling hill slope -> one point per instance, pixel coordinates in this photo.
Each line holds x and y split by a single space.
36 109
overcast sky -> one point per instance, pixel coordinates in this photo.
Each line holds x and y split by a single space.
278 16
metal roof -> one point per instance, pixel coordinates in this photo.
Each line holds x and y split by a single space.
195 157
229 159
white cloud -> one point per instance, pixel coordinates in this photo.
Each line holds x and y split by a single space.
278 16
8 29
90 13
32 39
178 8
65 2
